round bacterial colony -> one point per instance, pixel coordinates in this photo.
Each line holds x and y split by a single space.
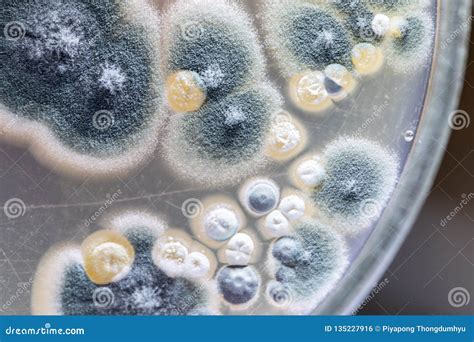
202 157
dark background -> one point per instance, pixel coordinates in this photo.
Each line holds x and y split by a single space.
437 258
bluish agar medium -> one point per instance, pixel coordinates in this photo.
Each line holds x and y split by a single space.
63 286
81 82
360 177
305 265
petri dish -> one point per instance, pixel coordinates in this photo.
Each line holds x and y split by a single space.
221 224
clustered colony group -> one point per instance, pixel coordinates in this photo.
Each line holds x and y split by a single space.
94 88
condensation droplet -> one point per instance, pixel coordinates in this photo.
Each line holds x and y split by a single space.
409 135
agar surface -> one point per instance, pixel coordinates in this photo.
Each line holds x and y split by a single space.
80 83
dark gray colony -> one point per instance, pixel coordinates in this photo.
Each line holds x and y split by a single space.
65 61
315 38
305 264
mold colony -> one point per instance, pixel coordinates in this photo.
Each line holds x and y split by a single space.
80 83
221 140
323 47
197 86
305 265
70 280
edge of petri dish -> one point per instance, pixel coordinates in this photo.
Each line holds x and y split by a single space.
421 166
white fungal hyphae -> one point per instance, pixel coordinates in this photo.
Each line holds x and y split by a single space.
220 223
380 24
293 206
286 139
220 219
274 225
170 256
410 41
239 286
81 84
305 266
360 177
259 196
170 274
196 265
178 255
239 250
307 172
